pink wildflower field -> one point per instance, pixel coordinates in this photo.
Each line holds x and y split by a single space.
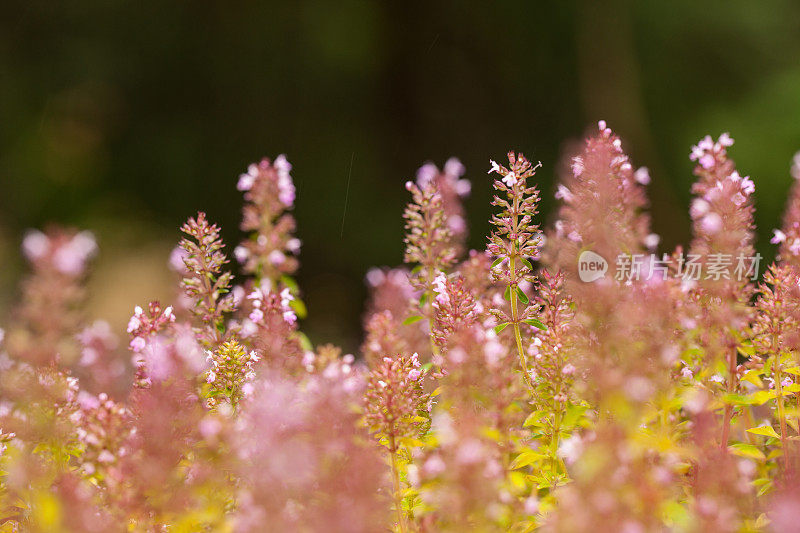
567 376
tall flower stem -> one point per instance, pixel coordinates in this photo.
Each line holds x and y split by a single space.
515 238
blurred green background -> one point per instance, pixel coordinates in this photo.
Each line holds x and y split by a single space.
126 117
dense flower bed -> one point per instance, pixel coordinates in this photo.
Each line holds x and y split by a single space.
568 379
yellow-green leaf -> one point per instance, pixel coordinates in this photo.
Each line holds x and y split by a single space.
766 431
526 458
763 396
747 450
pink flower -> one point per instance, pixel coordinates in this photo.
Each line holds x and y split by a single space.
454 167
375 277
577 166
651 241
711 223
699 208
256 315
35 245
71 258
176 260
707 161
778 237
290 316
510 179
725 140
245 182
137 344
293 245
282 164
440 288
276 257
748 186
135 322
642 175
241 254
426 174
563 193
456 223
463 187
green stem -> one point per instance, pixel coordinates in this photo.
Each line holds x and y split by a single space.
781 410
554 440
512 287
398 500
726 423
515 322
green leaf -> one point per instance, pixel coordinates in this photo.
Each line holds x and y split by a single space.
305 342
747 450
423 299
534 419
299 308
535 322
766 431
526 458
737 399
412 319
526 263
522 296
500 327
573 416
497 261
763 396
507 294
753 377
291 283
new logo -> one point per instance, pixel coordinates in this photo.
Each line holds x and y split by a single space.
591 266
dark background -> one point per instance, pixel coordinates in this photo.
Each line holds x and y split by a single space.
126 117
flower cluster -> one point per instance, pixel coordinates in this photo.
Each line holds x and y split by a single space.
395 401
51 296
452 188
514 243
232 370
268 192
429 241
142 327
103 426
205 283
454 307
271 326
